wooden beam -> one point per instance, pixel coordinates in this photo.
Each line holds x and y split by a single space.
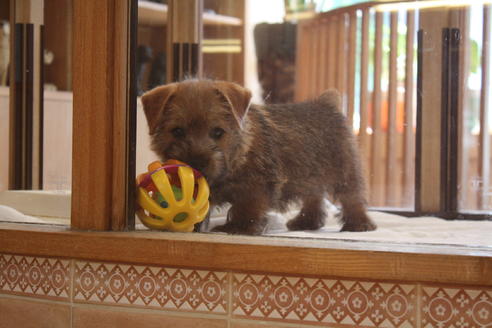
364 138
342 60
392 173
316 57
377 150
101 178
431 22
332 51
301 71
351 63
323 47
464 139
310 64
408 127
385 261
484 141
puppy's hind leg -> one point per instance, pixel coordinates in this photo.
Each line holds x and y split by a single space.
353 216
312 215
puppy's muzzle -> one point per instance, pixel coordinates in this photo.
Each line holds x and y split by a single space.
199 163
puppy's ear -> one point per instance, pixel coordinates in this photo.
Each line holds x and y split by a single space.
237 97
154 102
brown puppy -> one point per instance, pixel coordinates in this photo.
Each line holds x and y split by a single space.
259 158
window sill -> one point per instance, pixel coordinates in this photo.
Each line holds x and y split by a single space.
337 258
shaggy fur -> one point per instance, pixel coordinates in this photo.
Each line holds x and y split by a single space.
259 158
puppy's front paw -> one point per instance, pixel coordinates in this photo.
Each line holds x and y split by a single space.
236 229
227 228
302 223
359 227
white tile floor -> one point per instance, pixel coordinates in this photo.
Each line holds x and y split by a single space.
391 228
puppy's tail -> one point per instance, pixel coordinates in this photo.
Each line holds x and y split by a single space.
332 98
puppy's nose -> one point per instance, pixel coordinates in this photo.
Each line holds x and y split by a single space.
199 164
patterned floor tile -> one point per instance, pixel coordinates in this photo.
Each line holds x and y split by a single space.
306 300
153 287
456 307
35 276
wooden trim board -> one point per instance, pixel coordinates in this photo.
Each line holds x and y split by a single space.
380 261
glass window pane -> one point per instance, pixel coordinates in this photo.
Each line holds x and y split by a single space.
475 184
291 51
47 100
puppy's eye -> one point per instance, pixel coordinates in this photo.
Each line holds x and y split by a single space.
178 132
217 133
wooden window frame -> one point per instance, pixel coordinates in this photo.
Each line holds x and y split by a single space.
103 182
103 113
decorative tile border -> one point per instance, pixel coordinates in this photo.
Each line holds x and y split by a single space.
322 301
311 301
35 276
456 307
153 287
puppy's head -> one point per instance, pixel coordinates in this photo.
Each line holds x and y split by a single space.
199 122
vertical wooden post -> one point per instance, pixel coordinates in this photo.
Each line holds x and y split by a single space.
364 92
26 97
391 158
185 33
336 68
463 148
436 180
302 70
315 57
102 177
377 181
321 31
431 23
311 65
306 66
408 134
484 150
325 32
342 60
352 49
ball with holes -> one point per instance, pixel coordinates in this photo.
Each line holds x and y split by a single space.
172 196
